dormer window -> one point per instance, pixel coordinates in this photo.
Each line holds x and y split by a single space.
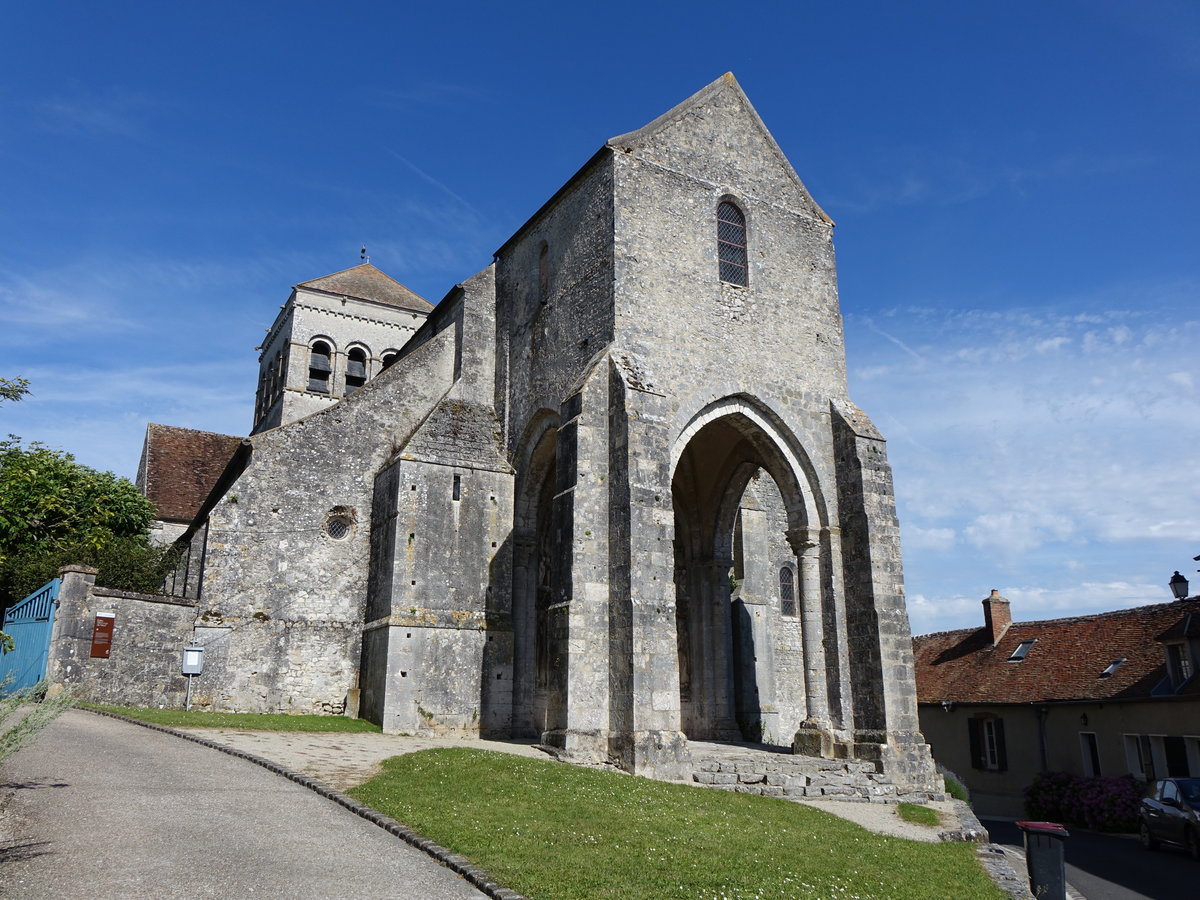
731 245
356 369
319 367
1179 664
1116 663
1022 651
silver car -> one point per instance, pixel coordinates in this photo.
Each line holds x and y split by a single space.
1171 814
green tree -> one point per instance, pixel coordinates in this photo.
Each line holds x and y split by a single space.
54 511
14 389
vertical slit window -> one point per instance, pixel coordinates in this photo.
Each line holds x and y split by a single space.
457 489
356 370
544 273
319 367
731 244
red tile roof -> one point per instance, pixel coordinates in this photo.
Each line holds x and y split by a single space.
180 466
368 283
1065 663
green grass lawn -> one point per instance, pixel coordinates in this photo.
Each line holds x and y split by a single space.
559 832
918 815
177 718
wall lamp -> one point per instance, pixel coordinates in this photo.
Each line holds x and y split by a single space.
947 706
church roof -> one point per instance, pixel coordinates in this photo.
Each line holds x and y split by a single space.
366 282
180 466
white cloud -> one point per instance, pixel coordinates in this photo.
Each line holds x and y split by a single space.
929 538
1029 445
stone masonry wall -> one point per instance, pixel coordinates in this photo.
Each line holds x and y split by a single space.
284 598
149 634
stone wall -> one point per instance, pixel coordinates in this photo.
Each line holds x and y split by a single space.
149 634
285 570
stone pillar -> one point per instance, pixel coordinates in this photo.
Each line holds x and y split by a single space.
815 737
718 661
70 638
524 630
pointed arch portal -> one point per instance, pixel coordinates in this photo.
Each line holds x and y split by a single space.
745 504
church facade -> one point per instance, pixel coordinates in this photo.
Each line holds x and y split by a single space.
611 493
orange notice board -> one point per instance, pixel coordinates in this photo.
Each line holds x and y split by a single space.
102 635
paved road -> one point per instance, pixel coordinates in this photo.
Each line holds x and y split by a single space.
100 808
1115 867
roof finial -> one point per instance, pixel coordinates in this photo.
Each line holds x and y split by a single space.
362 254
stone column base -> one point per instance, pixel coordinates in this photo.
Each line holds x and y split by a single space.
661 755
905 758
813 739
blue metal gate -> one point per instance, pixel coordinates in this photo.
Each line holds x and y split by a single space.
29 624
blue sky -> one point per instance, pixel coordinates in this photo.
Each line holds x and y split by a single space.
1015 186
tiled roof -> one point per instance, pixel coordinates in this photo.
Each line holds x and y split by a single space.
180 466
1065 663
368 283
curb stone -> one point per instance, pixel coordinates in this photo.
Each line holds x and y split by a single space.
457 864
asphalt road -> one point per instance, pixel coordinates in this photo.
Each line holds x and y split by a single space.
99 808
1115 867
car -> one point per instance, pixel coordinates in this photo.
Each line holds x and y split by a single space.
1170 813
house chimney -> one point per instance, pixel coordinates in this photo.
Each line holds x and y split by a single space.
997 616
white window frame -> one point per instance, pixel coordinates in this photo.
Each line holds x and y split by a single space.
1085 752
991 754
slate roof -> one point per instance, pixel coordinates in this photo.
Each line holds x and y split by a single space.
366 282
180 466
1065 664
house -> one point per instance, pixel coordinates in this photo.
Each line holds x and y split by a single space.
611 492
1108 694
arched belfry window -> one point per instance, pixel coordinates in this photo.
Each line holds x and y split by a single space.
356 369
319 367
787 591
389 357
731 244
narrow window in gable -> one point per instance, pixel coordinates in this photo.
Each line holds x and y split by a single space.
731 244
544 273
319 367
356 369
787 591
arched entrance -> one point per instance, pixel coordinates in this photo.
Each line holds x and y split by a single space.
539 645
752 666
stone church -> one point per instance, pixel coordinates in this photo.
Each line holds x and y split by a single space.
611 492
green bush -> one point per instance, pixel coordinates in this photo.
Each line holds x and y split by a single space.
124 564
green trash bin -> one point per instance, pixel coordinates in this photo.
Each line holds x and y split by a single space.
1045 860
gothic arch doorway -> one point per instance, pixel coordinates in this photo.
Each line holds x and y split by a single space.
539 665
743 512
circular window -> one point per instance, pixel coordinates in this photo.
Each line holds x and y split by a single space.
339 523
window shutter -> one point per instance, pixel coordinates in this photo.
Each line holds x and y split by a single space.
975 736
1001 750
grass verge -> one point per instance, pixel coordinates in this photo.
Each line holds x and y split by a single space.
955 789
918 815
559 832
178 718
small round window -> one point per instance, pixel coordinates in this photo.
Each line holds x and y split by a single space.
339 523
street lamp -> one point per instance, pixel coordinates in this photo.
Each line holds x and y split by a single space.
1179 586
